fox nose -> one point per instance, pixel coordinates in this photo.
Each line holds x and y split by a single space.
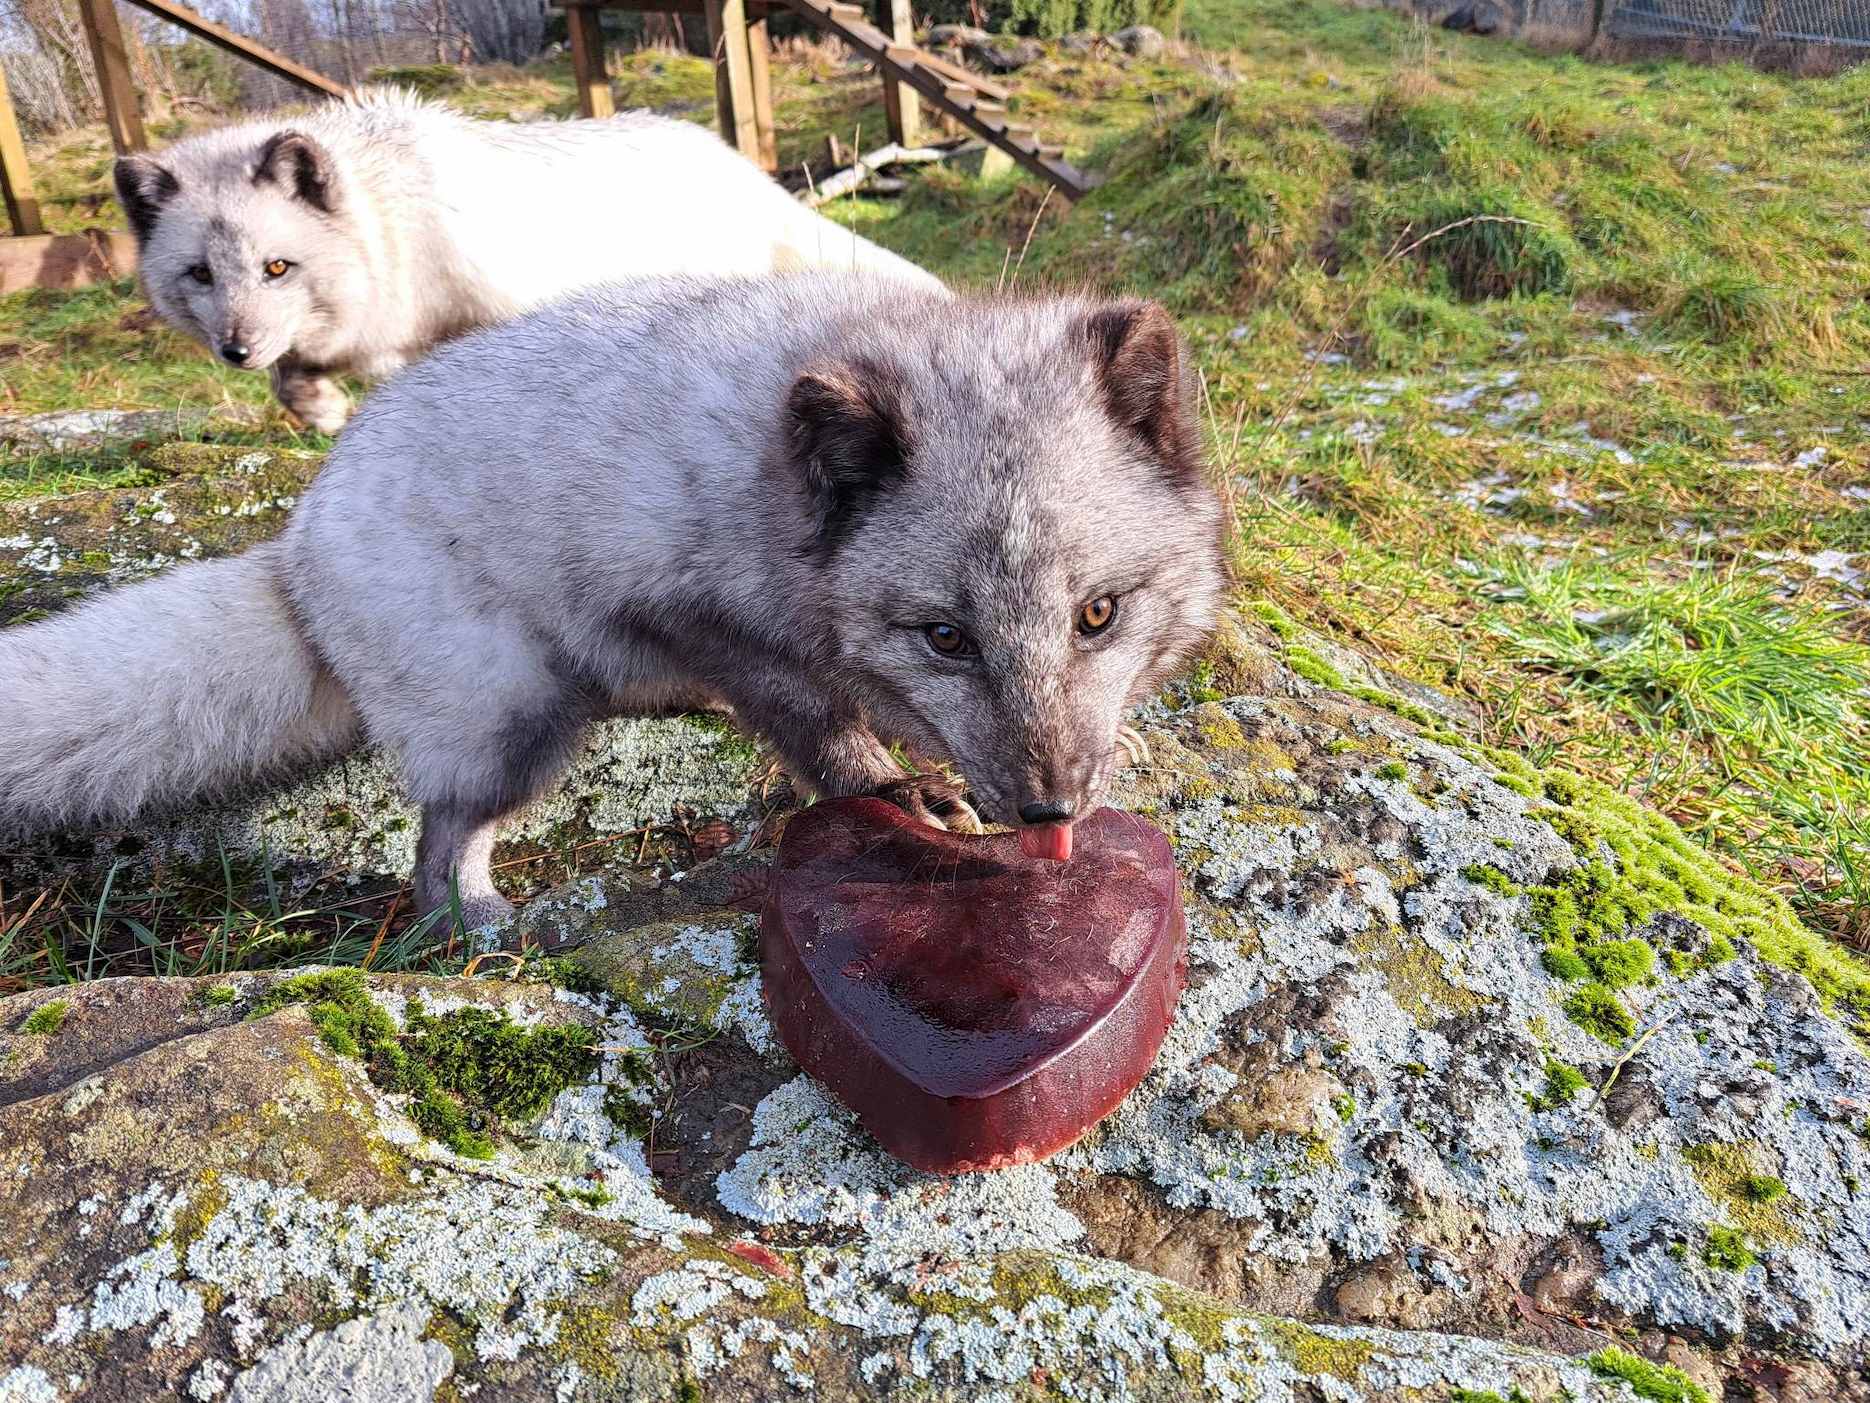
235 352
1046 811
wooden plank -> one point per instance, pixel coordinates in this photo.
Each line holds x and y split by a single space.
237 44
112 61
954 72
66 260
901 105
733 76
931 78
760 51
22 206
588 73
756 9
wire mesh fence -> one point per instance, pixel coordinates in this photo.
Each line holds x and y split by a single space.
1743 23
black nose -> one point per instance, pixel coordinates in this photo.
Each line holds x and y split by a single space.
1050 811
234 352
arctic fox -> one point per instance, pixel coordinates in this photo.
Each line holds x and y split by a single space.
352 238
848 511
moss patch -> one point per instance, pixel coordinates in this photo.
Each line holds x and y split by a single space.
48 1018
1311 1352
1562 1082
1757 1202
1727 1249
1595 921
1660 1383
1416 975
465 1072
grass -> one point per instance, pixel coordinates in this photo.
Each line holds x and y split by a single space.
1536 380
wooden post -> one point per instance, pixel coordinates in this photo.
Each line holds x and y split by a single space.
587 61
900 104
733 76
22 207
759 51
113 75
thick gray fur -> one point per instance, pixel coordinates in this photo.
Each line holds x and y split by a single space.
405 223
756 492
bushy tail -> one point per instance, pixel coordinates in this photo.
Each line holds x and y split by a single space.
165 691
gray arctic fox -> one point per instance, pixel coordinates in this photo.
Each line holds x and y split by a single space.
851 512
352 238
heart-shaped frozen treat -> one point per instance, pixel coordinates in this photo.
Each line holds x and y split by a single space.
975 1006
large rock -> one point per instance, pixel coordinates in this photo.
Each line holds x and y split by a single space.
1384 1154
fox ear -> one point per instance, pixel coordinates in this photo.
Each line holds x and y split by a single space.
299 165
849 439
1141 369
143 188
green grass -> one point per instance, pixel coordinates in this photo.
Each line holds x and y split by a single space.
1535 379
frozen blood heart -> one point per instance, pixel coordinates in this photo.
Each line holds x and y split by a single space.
975 1006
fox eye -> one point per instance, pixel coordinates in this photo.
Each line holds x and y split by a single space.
1098 615
277 268
948 640
201 273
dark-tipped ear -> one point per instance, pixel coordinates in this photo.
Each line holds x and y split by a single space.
849 439
143 188
1142 372
301 167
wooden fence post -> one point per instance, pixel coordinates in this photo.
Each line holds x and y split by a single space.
587 61
22 207
733 75
759 52
901 106
105 36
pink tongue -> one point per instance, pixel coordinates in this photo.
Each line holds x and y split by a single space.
1048 840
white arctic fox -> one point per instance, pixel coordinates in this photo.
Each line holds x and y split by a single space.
354 237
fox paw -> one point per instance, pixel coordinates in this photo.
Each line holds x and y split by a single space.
934 800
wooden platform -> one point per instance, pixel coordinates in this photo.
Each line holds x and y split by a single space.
743 86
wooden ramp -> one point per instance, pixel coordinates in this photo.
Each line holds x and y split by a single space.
975 102
737 33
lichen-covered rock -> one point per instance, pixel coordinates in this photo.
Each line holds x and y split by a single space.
1390 1150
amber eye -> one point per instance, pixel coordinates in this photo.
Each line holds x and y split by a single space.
946 639
277 268
1096 616
201 274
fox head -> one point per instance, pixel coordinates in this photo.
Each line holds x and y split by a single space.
245 243
1015 535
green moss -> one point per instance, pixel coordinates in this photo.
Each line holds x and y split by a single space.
1564 964
1389 701
1727 1249
1345 1106
1201 686
465 1072
1636 865
1617 964
1474 1395
48 1018
1311 1352
1762 1188
1314 669
1562 1082
1730 1173
1393 770
1492 878
219 995
1660 1383
1596 1010
1275 618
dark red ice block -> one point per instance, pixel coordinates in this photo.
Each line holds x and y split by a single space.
975 1007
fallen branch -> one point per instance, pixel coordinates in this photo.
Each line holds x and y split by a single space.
854 176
